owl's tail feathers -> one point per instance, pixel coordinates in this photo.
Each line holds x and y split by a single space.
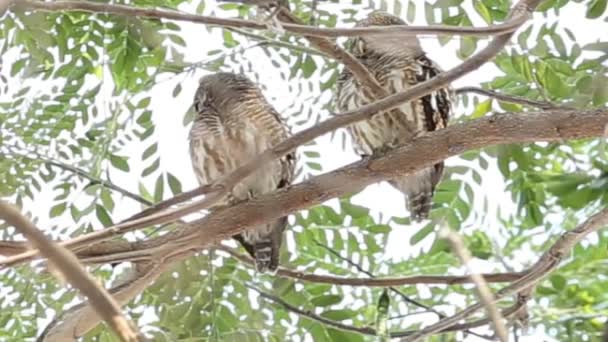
266 259
419 205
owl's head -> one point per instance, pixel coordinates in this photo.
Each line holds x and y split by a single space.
396 44
221 90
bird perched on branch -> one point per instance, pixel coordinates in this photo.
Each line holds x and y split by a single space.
233 124
397 62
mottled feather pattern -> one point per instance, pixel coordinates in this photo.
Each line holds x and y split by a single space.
396 67
234 123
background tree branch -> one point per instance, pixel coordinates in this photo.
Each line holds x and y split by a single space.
129 11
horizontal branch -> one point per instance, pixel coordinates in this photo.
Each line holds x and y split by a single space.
129 11
68 266
510 98
376 282
371 331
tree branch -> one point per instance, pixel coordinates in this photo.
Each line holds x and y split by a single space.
511 98
423 151
483 291
393 289
545 264
367 330
129 11
68 266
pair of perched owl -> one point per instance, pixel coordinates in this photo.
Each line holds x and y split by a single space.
234 122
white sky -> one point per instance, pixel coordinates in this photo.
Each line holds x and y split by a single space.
172 135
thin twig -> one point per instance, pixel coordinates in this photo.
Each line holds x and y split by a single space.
67 264
484 292
367 330
84 174
403 296
371 275
510 98
129 11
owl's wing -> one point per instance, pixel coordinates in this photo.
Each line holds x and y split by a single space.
437 106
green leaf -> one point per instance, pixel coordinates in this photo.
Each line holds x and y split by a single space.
174 184
308 67
596 9
421 234
103 216
150 169
159 189
326 300
57 209
559 282
482 108
382 316
119 162
339 315
483 11
355 211
411 11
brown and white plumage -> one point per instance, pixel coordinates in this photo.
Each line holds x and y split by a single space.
233 124
397 63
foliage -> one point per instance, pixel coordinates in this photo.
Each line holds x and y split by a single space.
83 90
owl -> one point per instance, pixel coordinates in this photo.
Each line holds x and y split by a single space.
397 63
234 123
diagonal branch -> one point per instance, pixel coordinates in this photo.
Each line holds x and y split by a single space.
129 11
69 267
423 151
545 264
484 292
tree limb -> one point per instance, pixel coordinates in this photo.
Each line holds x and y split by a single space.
68 266
557 125
129 11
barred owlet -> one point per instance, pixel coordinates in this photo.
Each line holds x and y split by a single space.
234 123
397 63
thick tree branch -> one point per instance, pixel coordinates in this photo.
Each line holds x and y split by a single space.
67 264
423 151
483 291
546 263
129 11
